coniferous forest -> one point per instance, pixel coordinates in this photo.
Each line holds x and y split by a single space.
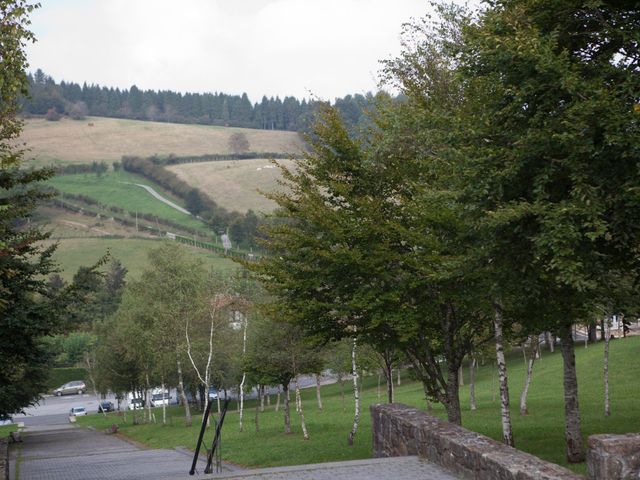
47 97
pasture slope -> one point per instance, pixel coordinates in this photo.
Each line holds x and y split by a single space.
108 139
82 239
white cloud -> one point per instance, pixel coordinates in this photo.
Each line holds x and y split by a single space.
270 47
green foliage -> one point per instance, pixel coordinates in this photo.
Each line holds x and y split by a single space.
27 311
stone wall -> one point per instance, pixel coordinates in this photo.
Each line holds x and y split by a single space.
400 430
614 456
4 459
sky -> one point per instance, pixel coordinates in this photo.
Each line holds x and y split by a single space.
303 48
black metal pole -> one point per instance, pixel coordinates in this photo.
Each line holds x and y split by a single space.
216 439
203 427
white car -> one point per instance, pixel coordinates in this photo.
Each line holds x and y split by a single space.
77 411
136 404
158 399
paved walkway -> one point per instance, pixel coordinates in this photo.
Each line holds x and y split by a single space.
67 452
398 468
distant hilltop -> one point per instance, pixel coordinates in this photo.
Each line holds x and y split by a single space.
67 98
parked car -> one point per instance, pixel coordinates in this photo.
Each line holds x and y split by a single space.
158 399
136 404
105 406
213 393
77 387
77 411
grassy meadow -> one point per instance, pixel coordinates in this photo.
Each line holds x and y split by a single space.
108 139
539 433
73 253
234 184
115 189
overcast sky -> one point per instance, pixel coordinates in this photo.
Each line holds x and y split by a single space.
327 48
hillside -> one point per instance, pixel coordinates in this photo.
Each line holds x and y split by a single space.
108 139
234 184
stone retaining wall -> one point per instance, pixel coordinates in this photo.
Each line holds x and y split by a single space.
4 459
400 430
614 456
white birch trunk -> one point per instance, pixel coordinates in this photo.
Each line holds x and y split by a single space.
530 359
183 396
318 396
303 425
164 405
607 338
460 377
356 394
507 432
551 341
278 399
472 383
244 374
399 382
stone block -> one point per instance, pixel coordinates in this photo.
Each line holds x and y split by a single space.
614 457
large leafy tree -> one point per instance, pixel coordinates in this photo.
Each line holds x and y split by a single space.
26 315
551 140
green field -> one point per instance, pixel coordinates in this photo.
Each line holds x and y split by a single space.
73 253
115 189
540 433
108 139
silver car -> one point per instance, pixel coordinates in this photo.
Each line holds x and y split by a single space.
70 388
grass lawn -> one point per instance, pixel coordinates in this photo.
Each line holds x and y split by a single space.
132 252
110 190
540 433
70 141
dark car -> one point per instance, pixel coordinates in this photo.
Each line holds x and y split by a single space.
105 406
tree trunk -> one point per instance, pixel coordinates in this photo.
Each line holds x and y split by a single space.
278 399
287 415
258 409
452 405
592 331
607 337
533 347
241 392
318 397
551 341
303 425
399 375
262 394
572 434
472 383
460 377
388 375
164 405
218 402
507 431
356 394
